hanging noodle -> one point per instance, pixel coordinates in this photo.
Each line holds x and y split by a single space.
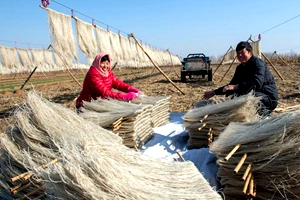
103 40
9 59
38 59
25 59
86 39
117 53
61 34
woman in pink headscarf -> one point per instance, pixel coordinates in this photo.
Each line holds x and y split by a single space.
100 80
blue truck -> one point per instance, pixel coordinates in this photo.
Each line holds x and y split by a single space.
196 64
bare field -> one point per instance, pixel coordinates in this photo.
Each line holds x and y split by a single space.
60 87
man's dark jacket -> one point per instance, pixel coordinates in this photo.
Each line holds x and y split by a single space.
254 75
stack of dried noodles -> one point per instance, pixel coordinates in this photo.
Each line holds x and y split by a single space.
93 162
204 124
131 122
160 110
265 160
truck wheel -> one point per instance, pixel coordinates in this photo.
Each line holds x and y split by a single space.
183 79
209 75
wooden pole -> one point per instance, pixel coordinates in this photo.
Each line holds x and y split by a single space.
180 156
269 62
114 66
272 65
281 58
66 66
28 78
228 69
172 65
131 35
222 59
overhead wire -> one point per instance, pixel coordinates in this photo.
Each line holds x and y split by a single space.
143 42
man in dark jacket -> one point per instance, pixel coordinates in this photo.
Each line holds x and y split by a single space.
251 74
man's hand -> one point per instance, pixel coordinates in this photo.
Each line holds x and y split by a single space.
208 94
230 87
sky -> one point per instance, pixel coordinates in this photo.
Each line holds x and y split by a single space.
181 26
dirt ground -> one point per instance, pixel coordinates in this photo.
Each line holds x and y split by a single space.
149 80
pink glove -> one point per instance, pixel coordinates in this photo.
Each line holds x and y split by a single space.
133 89
129 96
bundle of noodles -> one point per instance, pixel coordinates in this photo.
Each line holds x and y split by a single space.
92 162
204 124
160 108
130 121
9 60
270 165
86 39
62 38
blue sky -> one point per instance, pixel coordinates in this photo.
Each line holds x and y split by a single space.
183 27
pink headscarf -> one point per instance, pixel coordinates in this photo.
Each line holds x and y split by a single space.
96 63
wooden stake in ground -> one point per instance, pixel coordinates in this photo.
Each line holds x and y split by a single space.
265 57
228 69
172 65
28 78
281 58
131 35
66 66
272 65
222 59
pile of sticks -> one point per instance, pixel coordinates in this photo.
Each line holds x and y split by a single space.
204 124
27 185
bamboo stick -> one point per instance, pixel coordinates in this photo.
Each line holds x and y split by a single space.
36 190
182 158
18 186
200 128
232 152
40 196
205 117
246 172
247 183
239 165
18 177
29 184
27 175
118 121
251 185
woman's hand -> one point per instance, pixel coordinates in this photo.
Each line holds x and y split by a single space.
133 89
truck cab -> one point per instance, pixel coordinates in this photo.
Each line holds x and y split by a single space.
196 64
